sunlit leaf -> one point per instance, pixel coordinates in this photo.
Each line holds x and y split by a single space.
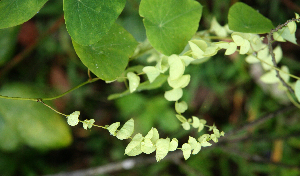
181 82
181 107
134 81
162 148
174 94
186 149
113 128
173 144
151 72
177 67
134 147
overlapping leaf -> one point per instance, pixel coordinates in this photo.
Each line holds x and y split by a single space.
108 58
89 20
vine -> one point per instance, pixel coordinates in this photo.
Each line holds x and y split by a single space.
113 42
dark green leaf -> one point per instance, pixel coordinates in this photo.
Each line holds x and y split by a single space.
28 122
15 12
108 58
243 18
89 20
170 24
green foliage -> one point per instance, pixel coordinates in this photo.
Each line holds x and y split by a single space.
7 43
18 11
30 123
243 18
108 58
88 21
170 24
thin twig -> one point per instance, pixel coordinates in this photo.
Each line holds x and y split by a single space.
270 40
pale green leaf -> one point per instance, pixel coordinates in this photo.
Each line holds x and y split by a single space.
147 146
15 12
113 128
73 118
186 59
126 131
197 52
251 59
151 72
297 15
216 28
108 58
162 65
243 18
134 81
278 56
181 118
211 50
238 40
231 49
193 142
134 147
186 125
222 44
245 47
177 67
153 135
196 122
181 82
88 123
292 27
297 90
173 144
181 107
201 127
174 94
143 86
88 21
285 34
186 149
170 24
162 148
197 148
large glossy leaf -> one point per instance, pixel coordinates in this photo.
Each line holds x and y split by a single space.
28 122
15 12
170 23
89 20
108 58
243 18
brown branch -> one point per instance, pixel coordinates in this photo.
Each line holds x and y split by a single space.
270 40
18 58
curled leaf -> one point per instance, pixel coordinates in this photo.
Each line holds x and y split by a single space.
181 107
151 72
174 94
177 67
88 123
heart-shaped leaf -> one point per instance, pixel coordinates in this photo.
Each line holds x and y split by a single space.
89 20
243 18
15 12
108 58
170 24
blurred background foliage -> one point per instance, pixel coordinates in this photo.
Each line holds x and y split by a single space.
37 60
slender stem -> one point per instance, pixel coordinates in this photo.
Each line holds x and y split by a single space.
270 40
39 100
50 98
